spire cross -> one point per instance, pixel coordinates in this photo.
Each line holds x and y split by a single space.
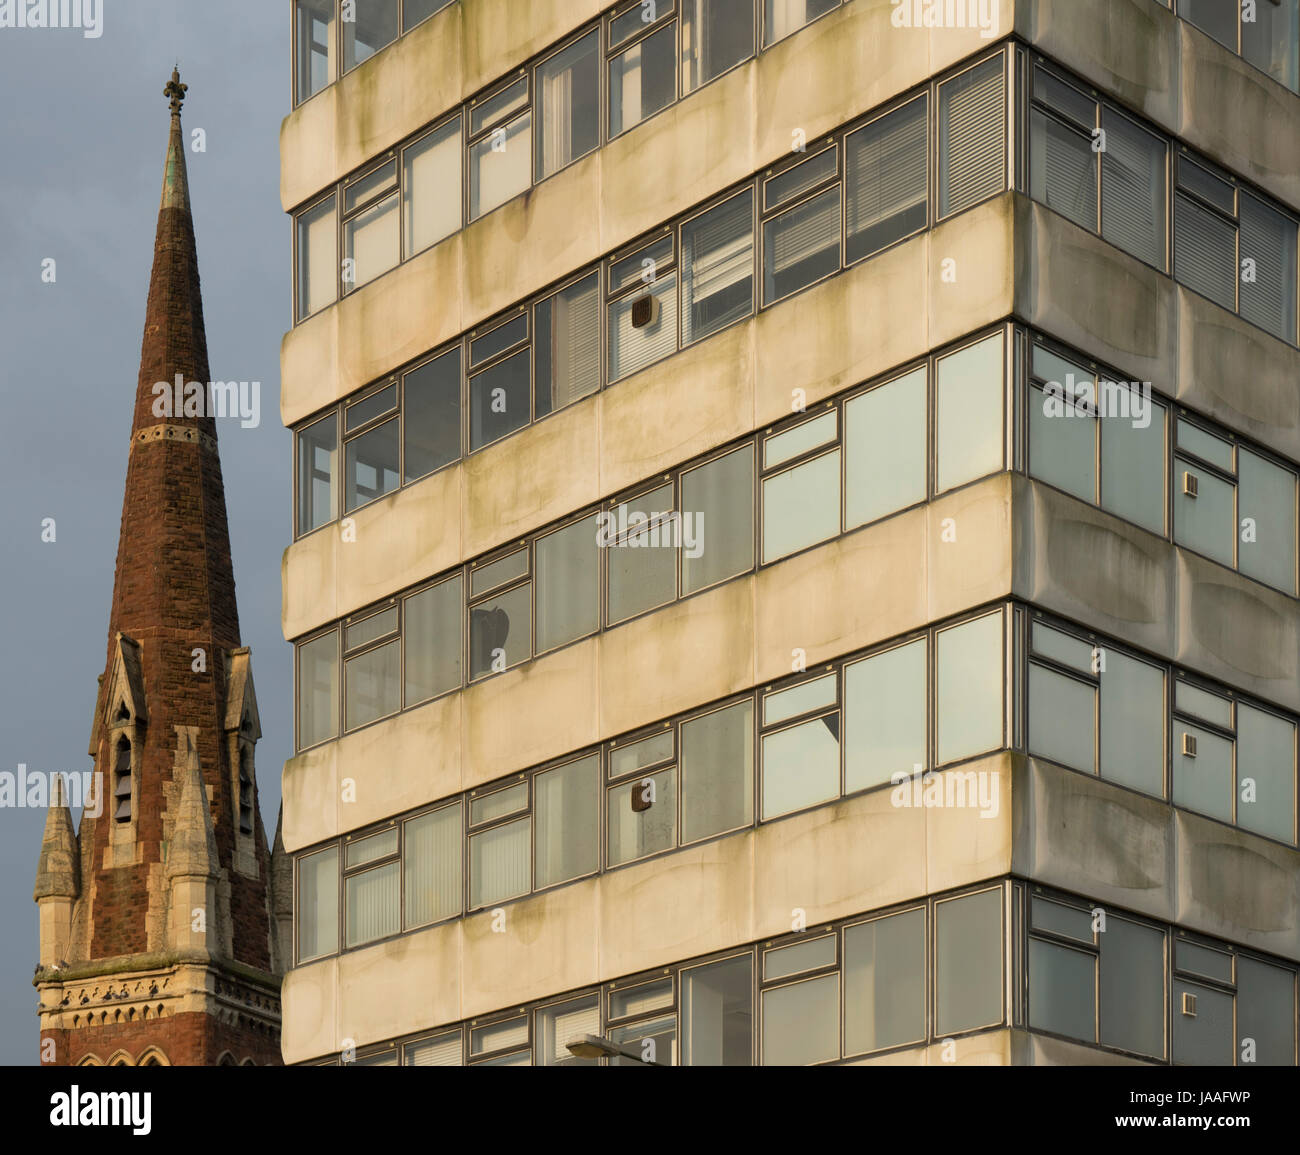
176 90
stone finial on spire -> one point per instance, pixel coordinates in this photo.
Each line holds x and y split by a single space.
176 90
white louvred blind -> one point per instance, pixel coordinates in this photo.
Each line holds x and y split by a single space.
718 253
576 321
885 168
632 349
1133 190
1062 173
573 1023
1269 239
802 232
972 137
1205 256
443 1051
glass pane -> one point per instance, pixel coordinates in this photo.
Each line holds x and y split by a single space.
885 716
800 439
488 577
718 267
1133 463
643 79
318 690
1266 497
717 766
439 1051
801 506
374 684
717 1014
568 584
798 178
500 632
781 17
1133 189
643 264
1206 522
1205 445
1063 169
565 1022
1065 98
1057 917
1133 987
1266 773
499 803
638 755
715 35
362 189
1203 783
801 766
498 400
500 166
414 11
634 834
315 35
372 465
1214 17
511 1033
1062 443
1205 256
498 340
1270 41
1132 723
1203 961
371 243
969 426
360 851
968 966
1062 719
884 982
885 180
434 622
653 1042
885 449
431 859
431 187
566 346
633 347
718 520
1265 1013
566 813
317 468
1191 699
373 25
801 245
1065 648
318 904
499 105
784 961
970 679
370 629
643 559
431 415
1062 995
371 899
568 120
376 405
972 137
801 1023
784 704
499 864
1205 1038
318 261
636 17
1206 185
641 999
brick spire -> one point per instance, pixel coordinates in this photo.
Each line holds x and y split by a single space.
178 892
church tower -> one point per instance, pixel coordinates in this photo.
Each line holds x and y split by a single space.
161 918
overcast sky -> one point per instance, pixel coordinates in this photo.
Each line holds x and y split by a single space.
82 137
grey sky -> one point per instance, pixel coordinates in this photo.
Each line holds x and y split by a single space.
82 138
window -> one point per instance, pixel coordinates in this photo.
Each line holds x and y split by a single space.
716 34
1203 1013
371 448
500 386
561 1023
653 1034
568 118
968 962
432 634
642 73
567 822
718 520
1266 1013
1266 773
1205 234
414 11
371 226
801 1020
782 17
643 308
431 188
500 148
717 768
801 237
641 810
884 982
718 267
1133 188
373 26
717 1013
431 416
885 716
972 137
442 1050
431 862
968 686
969 421
317 471
372 668
886 180
568 584
1271 41
639 551
502 1041
500 623
372 896
885 461
123 781
1203 773
318 690
1213 18
801 746
801 501
314 30
318 263
1268 283
318 904
1267 529
566 345
500 846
